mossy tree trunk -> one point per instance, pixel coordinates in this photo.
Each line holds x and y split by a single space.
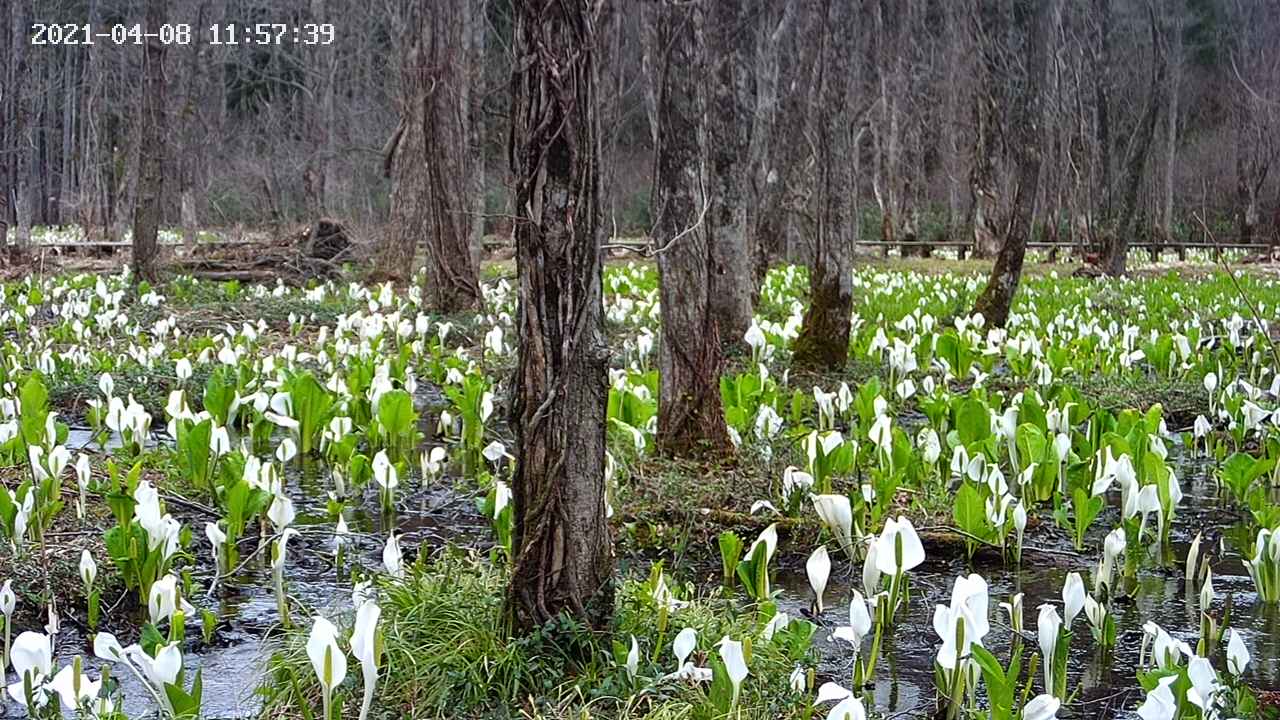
690 414
823 343
562 543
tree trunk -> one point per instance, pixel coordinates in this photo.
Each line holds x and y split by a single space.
1247 187
149 203
762 208
427 163
982 180
823 343
564 551
317 175
732 275
1171 132
1102 103
1136 159
17 153
471 98
690 415
1025 81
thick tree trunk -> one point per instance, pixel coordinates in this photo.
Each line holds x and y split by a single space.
426 160
564 552
823 342
1025 81
732 275
690 415
149 203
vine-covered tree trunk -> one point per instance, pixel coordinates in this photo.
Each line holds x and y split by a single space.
690 415
562 543
427 163
1021 69
732 274
823 342
148 207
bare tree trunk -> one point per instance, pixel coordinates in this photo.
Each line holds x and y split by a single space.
471 92
317 175
1136 158
1171 132
762 208
1102 103
1248 186
982 181
732 275
426 160
562 541
20 150
690 415
149 204
1024 78
823 342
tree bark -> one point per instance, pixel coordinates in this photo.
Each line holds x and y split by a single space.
427 162
763 207
1025 80
690 415
149 203
823 342
471 97
982 182
732 275
318 174
1102 104
1135 164
20 156
1171 131
563 547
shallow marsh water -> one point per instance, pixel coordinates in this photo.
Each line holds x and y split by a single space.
1108 687
428 518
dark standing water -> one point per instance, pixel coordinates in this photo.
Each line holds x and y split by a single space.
1108 686
235 663
429 517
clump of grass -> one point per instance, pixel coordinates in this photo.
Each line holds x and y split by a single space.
448 654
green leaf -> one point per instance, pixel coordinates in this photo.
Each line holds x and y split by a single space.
721 695
972 421
730 554
970 513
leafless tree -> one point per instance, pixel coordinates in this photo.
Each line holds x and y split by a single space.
1017 57
147 211
429 161
690 415
823 342
730 39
